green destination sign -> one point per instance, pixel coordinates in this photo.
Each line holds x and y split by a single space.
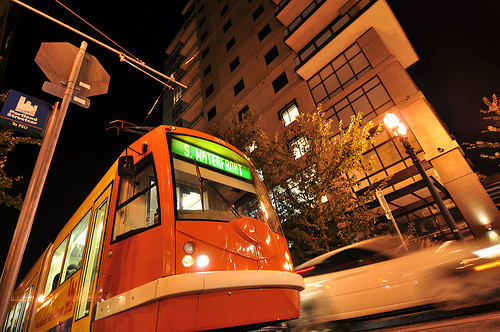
209 158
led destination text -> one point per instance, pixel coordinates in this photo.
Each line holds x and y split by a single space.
210 159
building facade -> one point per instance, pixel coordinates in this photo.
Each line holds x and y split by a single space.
281 58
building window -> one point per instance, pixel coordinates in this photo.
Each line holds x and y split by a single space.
203 19
257 12
209 90
224 10
289 113
271 55
177 95
207 70
205 53
371 99
227 26
264 32
203 36
212 113
230 44
201 8
243 111
280 82
339 74
235 63
299 147
239 87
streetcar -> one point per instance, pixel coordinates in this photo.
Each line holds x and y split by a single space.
179 235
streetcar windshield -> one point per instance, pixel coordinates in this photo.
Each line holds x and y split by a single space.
215 183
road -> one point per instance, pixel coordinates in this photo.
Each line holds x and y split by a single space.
484 318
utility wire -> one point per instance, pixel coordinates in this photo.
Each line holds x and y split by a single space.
93 27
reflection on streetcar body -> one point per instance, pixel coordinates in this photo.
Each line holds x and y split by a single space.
179 235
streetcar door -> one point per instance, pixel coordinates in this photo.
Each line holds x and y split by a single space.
85 304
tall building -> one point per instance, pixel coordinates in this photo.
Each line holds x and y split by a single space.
281 58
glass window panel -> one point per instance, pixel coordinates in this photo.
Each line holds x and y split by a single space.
308 9
307 52
335 125
323 38
341 104
388 154
362 105
319 93
332 84
371 83
378 96
359 63
325 72
55 268
77 240
290 114
371 155
90 269
330 112
352 51
345 74
355 95
339 62
294 24
345 116
343 21
315 80
138 203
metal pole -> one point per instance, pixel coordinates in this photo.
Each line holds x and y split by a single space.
388 215
25 221
437 198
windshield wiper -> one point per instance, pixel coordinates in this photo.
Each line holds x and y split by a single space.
233 210
200 185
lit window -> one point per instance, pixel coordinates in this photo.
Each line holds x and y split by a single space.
177 95
289 113
300 147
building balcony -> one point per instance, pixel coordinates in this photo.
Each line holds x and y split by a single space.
331 27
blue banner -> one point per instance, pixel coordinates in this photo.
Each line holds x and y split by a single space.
24 113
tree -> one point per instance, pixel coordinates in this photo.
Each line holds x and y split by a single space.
493 107
310 177
8 141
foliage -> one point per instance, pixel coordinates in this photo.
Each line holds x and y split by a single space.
493 107
299 187
8 141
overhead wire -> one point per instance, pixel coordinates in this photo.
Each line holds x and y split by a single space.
123 59
99 31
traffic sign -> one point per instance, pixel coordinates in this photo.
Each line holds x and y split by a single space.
56 61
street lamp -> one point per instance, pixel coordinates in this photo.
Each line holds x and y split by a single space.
399 129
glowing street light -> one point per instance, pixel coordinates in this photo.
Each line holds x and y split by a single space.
399 129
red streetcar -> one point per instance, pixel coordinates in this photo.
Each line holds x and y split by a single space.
179 235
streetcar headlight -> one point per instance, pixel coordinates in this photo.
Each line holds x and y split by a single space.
189 248
203 261
187 261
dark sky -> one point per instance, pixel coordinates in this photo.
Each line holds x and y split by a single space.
457 43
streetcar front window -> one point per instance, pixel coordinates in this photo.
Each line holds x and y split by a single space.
138 207
215 183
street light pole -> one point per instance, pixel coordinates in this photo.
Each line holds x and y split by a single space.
399 129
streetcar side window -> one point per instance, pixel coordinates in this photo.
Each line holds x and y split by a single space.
138 207
55 268
73 260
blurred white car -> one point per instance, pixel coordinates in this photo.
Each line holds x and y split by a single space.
374 276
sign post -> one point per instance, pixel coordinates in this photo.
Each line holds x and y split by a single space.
25 221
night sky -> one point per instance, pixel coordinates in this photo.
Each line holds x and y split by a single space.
457 45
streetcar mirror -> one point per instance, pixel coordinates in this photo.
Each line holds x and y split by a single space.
126 166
